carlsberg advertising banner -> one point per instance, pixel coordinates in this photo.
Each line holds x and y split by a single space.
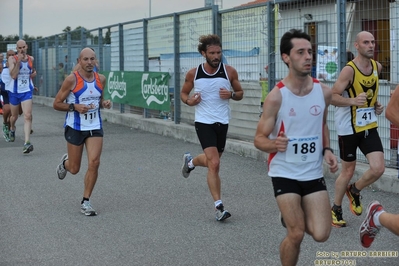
142 89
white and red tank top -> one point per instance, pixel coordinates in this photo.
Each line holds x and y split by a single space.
301 118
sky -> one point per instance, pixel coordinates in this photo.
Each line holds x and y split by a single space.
50 17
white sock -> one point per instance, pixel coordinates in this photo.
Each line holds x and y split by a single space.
218 202
190 164
376 218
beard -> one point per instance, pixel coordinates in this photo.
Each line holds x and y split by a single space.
215 63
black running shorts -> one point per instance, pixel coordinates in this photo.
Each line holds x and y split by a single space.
212 135
77 137
283 185
367 141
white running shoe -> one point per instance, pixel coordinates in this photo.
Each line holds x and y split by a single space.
185 170
87 209
61 171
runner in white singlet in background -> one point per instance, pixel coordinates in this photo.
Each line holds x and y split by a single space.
215 85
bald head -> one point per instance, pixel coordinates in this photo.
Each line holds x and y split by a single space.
87 59
365 45
21 42
363 35
10 53
87 52
22 47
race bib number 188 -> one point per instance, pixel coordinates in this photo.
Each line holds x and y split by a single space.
303 149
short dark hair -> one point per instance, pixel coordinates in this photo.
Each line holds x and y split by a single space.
206 40
286 43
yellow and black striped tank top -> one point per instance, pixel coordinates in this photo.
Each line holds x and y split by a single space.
355 119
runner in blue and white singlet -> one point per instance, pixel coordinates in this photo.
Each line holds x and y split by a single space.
24 82
20 92
80 96
88 93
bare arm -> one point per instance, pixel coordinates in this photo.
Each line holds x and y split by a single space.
59 103
235 83
345 78
327 98
186 89
329 156
392 110
266 125
13 65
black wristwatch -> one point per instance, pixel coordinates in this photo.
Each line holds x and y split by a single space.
71 107
233 95
327 148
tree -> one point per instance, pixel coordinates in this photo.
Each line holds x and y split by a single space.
67 29
107 39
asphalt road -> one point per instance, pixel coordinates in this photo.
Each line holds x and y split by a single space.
148 214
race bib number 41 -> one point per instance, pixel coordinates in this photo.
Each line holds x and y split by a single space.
303 149
365 116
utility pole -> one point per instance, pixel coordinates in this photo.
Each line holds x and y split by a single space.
21 3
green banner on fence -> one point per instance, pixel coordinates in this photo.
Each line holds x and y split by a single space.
142 89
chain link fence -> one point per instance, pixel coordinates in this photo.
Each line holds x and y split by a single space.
250 36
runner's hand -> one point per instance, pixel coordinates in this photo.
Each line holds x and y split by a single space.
281 142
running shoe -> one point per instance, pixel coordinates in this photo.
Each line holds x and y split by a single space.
368 230
6 132
221 213
27 148
337 220
61 171
354 201
12 135
185 170
87 209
